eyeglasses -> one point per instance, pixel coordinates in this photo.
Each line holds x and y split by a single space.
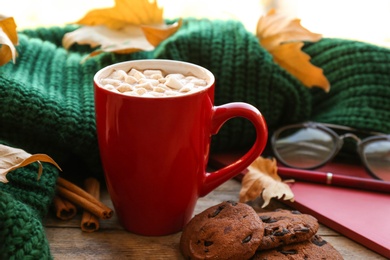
311 145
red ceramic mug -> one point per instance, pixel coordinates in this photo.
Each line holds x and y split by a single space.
155 150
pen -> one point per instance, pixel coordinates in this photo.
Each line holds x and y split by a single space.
335 179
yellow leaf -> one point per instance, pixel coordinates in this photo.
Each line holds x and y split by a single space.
156 34
8 40
262 179
13 158
290 57
283 38
128 27
125 12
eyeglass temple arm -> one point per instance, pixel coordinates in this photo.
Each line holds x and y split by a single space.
347 128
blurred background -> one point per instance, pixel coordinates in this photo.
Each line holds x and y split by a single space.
350 19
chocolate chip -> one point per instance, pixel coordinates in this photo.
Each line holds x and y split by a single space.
281 233
296 212
264 218
208 243
302 229
247 239
289 252
268 219
217 211
318 241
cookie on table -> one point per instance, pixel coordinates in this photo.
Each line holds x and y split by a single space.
283 227
229 230
314 248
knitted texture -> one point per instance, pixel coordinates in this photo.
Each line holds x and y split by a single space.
359 74
48 105
24 202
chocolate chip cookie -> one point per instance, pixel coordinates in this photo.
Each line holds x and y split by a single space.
314 248
229 230
283 227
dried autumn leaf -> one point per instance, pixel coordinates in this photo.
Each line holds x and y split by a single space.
123 13
13 158
283 38
262 179
156 34
129 26
8 40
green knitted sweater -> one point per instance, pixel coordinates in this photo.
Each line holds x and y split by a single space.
47 105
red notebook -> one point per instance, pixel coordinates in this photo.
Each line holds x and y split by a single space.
362 216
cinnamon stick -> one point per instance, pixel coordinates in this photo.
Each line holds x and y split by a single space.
83 199
89 222
65 210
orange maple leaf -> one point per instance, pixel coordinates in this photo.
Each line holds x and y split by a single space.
8 40
283 38
129 26
123 13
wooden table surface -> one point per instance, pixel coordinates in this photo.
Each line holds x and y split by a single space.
111 241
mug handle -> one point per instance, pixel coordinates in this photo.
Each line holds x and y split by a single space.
220 115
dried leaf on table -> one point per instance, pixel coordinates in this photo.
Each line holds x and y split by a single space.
262 180
8 40
283 38
13 158
129 26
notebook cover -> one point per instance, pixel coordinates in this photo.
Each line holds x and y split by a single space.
362 216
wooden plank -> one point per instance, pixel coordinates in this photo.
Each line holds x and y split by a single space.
70 243
67 241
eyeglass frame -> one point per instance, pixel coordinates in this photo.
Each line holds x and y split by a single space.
327 128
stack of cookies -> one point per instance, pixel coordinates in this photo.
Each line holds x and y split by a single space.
233 230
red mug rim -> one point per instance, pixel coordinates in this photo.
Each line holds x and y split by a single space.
157 64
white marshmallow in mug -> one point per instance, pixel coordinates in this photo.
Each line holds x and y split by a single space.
152 83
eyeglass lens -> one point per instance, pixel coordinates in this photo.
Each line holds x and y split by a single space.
377 156
304 147
308 148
